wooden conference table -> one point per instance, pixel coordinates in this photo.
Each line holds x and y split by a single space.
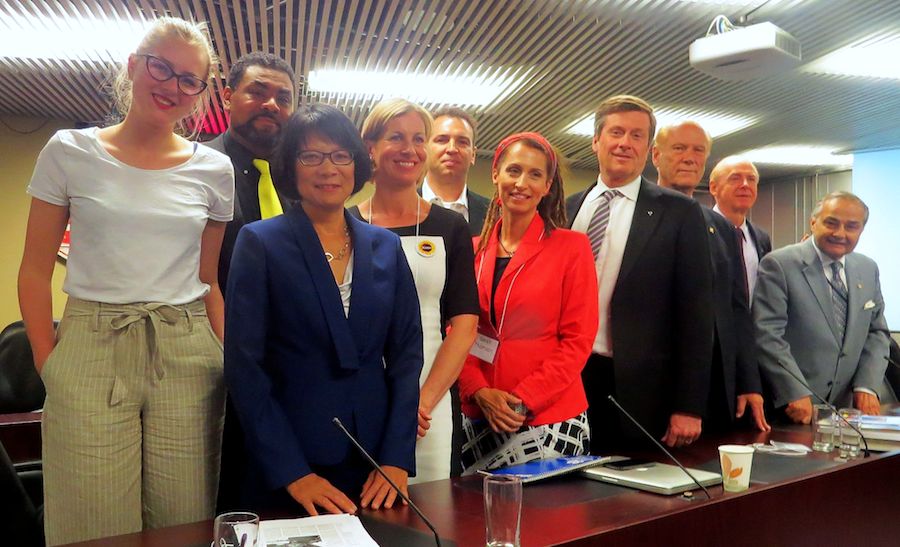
792 501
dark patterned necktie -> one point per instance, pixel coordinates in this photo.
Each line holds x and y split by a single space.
839 298
596 231
742 237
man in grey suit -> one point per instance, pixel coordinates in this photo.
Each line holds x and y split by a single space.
819 313
451 152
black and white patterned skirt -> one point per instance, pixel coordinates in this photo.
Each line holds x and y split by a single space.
483 449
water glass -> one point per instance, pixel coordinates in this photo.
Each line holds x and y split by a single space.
824 428
502 510
850 441
239 529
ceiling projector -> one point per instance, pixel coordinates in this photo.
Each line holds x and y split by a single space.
749 52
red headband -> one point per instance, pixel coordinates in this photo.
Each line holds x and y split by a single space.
535 137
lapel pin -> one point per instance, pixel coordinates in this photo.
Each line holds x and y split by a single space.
712 230
425 248
649 213
859 285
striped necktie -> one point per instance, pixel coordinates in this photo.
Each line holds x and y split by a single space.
596 231
269 205
839 298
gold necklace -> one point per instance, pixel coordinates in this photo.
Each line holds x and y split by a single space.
343 252
502 246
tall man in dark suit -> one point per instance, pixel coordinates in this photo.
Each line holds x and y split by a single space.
654 345
259 99
451 152
679 153
819 312
733 182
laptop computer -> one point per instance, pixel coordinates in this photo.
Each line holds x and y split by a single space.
659 478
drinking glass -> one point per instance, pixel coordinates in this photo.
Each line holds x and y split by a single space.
238 529
502 510
824 428
849 447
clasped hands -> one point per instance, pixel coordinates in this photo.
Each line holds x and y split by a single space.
496 405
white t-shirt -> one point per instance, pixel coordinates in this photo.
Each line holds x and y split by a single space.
135 233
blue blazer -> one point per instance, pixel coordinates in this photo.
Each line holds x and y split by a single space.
293 361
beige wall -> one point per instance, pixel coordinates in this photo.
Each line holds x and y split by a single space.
783 206
17 156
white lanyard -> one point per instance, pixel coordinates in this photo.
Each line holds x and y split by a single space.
508 291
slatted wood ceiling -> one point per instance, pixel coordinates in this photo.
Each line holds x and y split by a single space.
572 53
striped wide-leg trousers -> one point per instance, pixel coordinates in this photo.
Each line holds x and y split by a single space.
133 419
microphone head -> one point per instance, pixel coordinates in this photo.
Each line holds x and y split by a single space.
337 422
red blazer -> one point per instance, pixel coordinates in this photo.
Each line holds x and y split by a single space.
549 327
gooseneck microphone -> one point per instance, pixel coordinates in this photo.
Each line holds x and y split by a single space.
657 443
833 408
337 423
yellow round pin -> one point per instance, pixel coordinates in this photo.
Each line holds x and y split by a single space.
425 248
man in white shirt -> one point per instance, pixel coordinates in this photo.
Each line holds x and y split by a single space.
653 349
451 152
733 183
819 314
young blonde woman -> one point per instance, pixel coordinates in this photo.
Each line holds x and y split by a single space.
438 248
135 393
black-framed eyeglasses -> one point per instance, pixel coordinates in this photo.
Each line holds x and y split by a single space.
161 71
311 158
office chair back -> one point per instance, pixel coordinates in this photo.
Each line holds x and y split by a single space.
23 522
21 389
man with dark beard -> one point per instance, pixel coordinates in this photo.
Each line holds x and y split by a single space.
259 99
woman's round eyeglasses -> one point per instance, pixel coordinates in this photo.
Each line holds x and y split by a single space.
161 71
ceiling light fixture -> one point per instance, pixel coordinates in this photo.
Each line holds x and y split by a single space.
77 38
798 155
479 88
869 58
716 124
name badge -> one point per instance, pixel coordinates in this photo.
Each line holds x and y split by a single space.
485 348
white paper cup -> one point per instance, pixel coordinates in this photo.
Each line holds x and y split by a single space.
735 460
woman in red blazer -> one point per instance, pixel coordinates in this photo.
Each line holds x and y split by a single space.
521 387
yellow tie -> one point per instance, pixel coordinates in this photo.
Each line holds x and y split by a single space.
269 205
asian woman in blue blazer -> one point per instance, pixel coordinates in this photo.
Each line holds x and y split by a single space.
322 321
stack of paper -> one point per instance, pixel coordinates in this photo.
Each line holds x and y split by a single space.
321 531
881 432
883 428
